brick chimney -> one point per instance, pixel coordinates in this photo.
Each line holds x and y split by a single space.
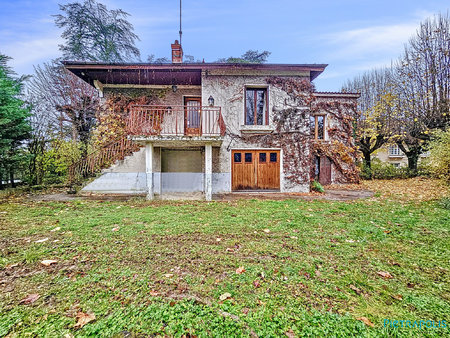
177 52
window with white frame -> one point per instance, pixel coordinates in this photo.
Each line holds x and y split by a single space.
394 150
256 106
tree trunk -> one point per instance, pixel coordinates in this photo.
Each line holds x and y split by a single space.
413 158
413 152
11 178
367 159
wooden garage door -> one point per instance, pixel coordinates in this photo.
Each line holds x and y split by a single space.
255 169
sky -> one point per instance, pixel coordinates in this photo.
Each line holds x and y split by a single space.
351 36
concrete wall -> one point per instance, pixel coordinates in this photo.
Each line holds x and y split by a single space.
136 163
135 183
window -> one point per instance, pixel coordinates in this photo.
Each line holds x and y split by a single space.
256 106
237 157
394 150
248 157
273 157
262 157
318 126
396 165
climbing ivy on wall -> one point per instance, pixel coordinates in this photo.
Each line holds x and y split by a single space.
292 132
341 149
111 120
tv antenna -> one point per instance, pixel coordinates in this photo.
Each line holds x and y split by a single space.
180 24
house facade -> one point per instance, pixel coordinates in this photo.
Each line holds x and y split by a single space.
219 128
393 155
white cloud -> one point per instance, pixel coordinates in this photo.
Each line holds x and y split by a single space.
359 43
31 51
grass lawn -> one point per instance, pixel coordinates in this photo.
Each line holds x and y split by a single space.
240 268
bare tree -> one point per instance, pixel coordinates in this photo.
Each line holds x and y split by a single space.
66 100
374 125
423 87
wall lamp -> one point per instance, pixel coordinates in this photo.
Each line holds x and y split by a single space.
211 101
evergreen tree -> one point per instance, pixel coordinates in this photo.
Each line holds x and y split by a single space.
94 33
14 124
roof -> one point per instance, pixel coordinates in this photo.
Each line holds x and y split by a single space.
337 94
170 73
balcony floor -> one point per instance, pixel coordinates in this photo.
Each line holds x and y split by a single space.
179 140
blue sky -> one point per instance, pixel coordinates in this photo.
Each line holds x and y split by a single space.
351 36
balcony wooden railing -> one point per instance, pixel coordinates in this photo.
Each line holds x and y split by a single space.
175 121
102 158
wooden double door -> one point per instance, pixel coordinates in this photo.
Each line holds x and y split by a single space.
255 169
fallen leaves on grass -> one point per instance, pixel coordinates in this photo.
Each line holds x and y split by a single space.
384 274
30 299
154 293
290 334
240 270
266 231
366 321
354 288
41 240
10 266
83 319
256 284
48 262
224 296
398 297
56 229
414 189
115 229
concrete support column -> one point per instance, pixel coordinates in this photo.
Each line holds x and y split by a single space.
149 169
159 191
208 172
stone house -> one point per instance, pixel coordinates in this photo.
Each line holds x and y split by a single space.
222 127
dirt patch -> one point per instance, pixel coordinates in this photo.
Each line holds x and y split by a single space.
330 195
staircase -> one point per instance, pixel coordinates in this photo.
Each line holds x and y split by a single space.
101 159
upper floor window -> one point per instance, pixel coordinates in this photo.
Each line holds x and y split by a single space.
318 126
394 150
256 112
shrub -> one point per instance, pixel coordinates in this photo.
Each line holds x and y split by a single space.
55 162
439 160
316 186
386 171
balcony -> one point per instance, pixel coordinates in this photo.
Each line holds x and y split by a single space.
182 122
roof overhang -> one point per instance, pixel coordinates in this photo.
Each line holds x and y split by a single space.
187 74
337 94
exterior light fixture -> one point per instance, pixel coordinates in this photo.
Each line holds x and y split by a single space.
174 88
211 101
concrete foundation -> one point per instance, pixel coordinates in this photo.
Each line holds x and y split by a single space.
163 183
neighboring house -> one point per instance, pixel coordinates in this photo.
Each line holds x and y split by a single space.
393 155
222 127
